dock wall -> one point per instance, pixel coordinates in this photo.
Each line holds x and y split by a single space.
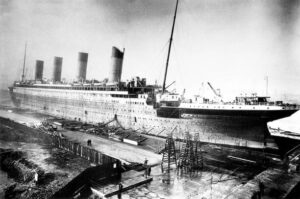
85 152
105 167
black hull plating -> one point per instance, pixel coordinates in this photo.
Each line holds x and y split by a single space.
249 115
285 144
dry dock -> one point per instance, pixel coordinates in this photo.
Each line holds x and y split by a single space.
227 173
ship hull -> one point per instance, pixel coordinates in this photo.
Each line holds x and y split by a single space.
246 115
100 107
285 144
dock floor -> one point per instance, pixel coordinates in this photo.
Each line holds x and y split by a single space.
115 149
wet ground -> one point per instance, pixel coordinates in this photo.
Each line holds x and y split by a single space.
203 184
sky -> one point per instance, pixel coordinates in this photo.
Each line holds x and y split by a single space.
233 44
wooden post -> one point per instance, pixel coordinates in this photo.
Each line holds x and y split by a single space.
81 151
96 157
100 159
59 142
88 153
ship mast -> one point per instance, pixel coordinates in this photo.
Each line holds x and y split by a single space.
169 50
23 73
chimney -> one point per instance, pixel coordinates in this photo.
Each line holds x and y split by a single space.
57 69
39 66
116 65
82 65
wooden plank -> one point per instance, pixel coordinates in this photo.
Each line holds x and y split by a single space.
241 159
130 186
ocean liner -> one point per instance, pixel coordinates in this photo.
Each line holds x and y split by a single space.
149 109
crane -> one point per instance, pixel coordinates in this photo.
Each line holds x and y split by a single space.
215 92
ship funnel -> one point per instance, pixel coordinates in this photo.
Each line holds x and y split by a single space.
39 66
82 65
57 69
116 65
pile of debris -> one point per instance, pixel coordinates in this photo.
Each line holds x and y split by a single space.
30 179
54 126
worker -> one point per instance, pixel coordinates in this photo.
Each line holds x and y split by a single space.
149 170
60 135
120 191
36 177
146 167
89 142
179 169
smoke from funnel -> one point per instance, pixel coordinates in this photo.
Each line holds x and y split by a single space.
57 69
82 66
116 65
39 66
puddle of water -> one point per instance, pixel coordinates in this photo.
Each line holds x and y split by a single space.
185 187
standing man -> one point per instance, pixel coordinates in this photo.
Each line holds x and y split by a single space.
120 191
146 167
36 177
